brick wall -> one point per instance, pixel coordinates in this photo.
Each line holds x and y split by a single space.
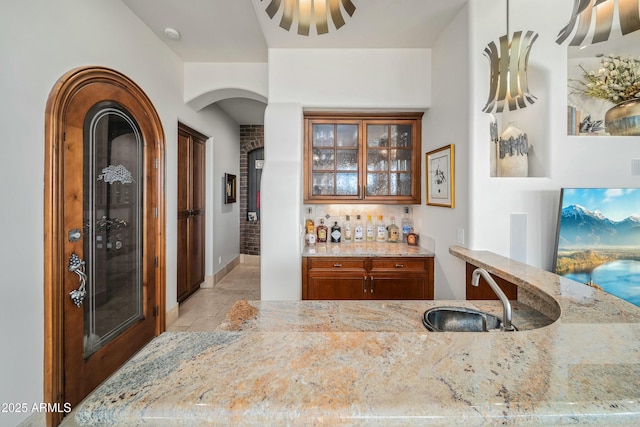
251 138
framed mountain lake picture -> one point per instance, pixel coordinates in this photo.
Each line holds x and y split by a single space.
598 239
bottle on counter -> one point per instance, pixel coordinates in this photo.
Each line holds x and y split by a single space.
358 234
381 230
310 229
347 235
407 224
321 232
394 231
336 233
371 231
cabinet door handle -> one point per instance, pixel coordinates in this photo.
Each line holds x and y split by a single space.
364 285
337 265
371 278
399 265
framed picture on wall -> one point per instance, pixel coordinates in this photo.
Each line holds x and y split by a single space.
230 188
440 177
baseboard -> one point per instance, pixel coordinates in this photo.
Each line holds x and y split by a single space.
225 270
172 315
208 282
250 259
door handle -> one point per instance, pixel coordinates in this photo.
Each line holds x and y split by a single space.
76 265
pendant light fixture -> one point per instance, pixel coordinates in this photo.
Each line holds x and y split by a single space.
584 11
508 71
308 11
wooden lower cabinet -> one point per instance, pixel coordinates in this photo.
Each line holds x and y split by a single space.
374 278
483 291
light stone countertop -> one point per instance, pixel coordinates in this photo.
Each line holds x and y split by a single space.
268 368
365 249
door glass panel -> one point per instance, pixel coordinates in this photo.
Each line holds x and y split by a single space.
347 135
377 184
401 136
400 184
377 160
113 224
323 135
347 160
323 184
255 176
347 184
401 160
377 135
323 159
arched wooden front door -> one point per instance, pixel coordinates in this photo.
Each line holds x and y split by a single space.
104 230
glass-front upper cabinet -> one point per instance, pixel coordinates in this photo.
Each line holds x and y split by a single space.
362 159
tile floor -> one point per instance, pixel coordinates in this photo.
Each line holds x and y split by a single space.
207 307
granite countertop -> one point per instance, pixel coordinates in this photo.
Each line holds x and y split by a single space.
368 249
366 363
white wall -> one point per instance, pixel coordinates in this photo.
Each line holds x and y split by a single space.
446 123
224 234
206 83
41 40
338 79
351 78
566 161
280 195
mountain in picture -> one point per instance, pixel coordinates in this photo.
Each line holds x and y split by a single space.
580 227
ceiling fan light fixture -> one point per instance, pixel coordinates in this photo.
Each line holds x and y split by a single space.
308 12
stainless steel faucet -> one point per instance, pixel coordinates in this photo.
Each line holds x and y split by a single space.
506 305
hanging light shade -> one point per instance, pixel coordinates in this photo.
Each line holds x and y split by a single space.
584 11
508 71
307 11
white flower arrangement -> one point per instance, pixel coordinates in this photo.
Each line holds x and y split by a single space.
616 81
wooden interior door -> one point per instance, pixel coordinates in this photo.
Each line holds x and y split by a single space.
103 225
191 210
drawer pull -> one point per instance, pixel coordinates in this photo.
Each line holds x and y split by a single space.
399 265
337 265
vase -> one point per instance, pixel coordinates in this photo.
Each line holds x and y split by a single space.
512 156
623 119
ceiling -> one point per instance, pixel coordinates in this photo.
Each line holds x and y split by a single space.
241 31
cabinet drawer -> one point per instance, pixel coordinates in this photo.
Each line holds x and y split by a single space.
399 264
337 264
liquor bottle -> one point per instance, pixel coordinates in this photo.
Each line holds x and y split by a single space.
407 224
394 231
310 227
336 233
371 232
381 231
321 232
348 234
358 235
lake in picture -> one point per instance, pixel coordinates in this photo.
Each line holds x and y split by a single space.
620 278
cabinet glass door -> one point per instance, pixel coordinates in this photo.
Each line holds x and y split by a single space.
389 159
335 159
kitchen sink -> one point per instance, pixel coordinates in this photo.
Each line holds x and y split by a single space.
461 319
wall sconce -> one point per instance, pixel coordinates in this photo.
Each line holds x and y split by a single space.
508 71
584 11
304 11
